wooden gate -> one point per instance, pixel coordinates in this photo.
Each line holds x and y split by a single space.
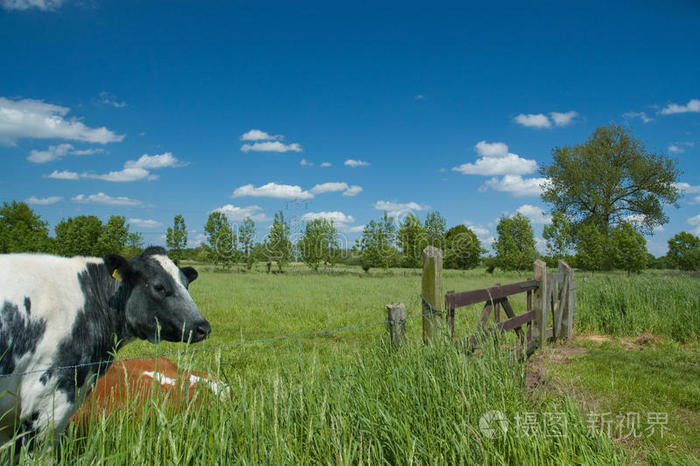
551 304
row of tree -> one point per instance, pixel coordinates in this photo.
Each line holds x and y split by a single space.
22 230
383 243
605 194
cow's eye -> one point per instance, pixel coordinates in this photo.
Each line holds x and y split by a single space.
159 288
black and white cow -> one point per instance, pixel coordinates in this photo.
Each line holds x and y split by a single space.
57 312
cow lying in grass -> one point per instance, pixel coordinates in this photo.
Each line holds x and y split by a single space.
56 313
132 384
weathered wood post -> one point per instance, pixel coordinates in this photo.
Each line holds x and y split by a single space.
396 315
539 302
568 301
432 291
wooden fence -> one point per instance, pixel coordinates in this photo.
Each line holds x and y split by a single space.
549 313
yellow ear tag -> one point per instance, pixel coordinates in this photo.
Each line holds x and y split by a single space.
116 275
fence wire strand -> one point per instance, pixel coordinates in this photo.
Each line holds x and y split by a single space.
200 349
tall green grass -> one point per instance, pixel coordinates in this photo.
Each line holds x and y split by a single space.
419 405
617 304
345 398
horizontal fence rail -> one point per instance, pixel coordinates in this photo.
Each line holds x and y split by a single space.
455 300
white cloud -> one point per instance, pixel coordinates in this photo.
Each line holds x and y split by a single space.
271 146
109 99
139 169
336 216
58 151
398 210
484 234
355 229
356 163
326 164
510 164
63 175
687 188
641 115
43 200
353 190
154 161
638 220
238 214
680 147
257 135
102 198
516 185
28 118
124 175
491 149
536 120
145 223
563 119
496 160
306 163
329 188
44 5
535 214
52 153
274 190
693 105
86 151
540 120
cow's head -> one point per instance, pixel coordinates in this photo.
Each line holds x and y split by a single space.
158 296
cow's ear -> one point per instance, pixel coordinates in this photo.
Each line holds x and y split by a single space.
190 273
118 267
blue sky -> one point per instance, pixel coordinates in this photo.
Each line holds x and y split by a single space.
152 108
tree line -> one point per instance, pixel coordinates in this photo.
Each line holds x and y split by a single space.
605 194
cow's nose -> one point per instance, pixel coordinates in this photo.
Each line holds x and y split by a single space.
202 330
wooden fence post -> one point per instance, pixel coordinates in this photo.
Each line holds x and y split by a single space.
432 291
569 302
539 302
396 315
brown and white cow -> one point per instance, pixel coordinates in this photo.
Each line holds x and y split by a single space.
132 384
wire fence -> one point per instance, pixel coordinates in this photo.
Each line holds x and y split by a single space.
199 349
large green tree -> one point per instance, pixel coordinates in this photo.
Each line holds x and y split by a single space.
411 239
515 245
278 246
21 230
627 248
557 236
176 238
113 236
377 243
609 177
590 247
435 226
319 244
462 248
684 251
134 245
80 236
221 239
246 239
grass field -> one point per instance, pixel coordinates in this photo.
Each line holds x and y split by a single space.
346 398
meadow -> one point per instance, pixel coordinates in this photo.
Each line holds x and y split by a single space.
347 397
